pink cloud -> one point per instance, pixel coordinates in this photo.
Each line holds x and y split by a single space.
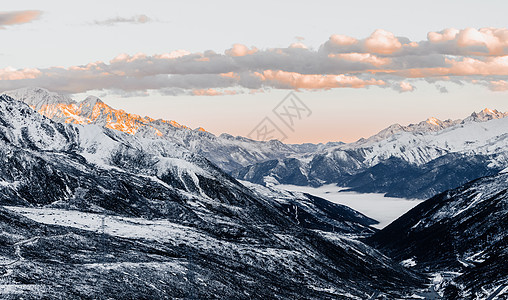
498 85
124 57
240 50
204 58
207 92
230 75
212 92
343 40
495 40
298 45
406 87
14 74
486 67
315 81
362 57
174 54
382 42
443 36
88 67
18 17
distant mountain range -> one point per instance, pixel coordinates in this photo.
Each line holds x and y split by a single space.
415 161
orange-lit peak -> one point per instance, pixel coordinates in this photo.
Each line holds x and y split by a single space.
433 121
92 110
489 111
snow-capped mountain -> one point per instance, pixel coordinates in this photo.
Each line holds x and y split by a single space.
485 115
91 110
226 151
409 161
174 224
461 234
430 125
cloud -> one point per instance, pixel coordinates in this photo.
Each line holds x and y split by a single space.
363 57
281 79
382 42
18 17
443 36
441 88
470 41
14 74
137 19
240 50
498 85
298 45
405 87
212 92
342 40
466 56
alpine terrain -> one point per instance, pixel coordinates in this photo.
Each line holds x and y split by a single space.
415 161
97 203
93 212
459 237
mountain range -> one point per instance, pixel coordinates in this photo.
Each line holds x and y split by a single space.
226 151
415 161
91 209
170 214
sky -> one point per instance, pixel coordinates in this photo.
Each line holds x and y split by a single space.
312 71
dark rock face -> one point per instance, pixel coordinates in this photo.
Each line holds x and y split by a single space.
462 230
288 172
227 241
398 178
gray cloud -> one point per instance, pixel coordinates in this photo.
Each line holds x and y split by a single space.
441 88
138 19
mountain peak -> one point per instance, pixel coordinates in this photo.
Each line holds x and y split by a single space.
485 115
91 101
433 121
37 97
487 110
62 108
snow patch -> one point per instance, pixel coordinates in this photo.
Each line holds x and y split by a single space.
408 263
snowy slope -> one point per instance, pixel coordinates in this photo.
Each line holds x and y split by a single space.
468 138
464 230
139 258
